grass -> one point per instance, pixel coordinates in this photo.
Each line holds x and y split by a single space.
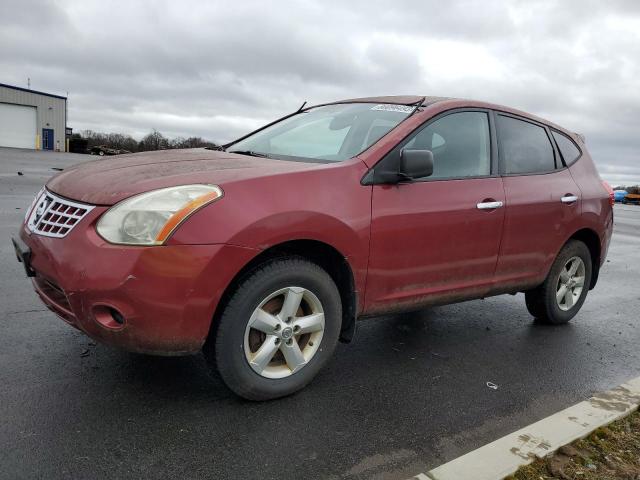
609 453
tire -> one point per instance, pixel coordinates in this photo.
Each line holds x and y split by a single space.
547 303
235 349
101 153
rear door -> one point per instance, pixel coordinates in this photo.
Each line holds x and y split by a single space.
436 239
542 202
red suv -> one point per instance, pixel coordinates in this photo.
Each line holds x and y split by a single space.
264 253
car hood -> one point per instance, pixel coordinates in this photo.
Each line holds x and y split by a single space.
105 182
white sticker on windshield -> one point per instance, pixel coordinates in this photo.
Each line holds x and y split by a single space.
387 107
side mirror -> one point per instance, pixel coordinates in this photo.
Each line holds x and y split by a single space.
415 164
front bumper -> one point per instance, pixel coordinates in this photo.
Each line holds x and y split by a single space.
166 295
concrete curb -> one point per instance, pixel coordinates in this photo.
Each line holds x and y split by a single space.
504 456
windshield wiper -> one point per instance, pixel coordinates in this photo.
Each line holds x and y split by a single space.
251 153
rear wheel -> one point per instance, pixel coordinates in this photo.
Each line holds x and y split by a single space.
277 330
565 289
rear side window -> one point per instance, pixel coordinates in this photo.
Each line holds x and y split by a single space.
525 147
568 149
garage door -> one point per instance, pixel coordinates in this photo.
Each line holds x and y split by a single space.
17 126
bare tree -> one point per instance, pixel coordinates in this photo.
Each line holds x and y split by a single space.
191 142
155 141
152 141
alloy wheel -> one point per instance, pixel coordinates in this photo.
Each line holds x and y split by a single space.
570 283
284 332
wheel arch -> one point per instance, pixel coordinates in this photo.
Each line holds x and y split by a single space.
591 239
320 253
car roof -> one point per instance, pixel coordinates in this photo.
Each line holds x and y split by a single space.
450 103
395 100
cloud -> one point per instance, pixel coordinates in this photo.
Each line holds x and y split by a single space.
219 69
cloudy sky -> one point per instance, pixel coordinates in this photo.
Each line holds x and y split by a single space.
217 69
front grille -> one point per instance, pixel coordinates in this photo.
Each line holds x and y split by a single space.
54 216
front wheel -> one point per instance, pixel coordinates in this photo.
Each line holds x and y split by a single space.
565 289
277 330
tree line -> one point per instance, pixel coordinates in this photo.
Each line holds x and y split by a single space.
154 140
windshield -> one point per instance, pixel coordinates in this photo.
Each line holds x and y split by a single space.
330 133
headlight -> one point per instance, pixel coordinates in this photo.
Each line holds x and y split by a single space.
149 218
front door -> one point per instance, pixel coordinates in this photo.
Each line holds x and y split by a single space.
436 240
47 138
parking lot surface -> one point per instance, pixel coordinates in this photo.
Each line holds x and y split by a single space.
409 393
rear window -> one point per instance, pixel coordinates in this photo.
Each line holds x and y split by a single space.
569 151
525 147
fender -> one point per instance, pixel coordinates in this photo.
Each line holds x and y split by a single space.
262 213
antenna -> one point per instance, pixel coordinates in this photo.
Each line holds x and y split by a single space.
302 106
29 83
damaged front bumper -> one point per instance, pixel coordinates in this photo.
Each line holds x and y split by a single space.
157 300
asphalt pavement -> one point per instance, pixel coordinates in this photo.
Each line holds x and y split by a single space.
409 394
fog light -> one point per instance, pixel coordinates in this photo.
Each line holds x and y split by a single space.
108 317
117 316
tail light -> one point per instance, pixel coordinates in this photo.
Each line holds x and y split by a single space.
612 197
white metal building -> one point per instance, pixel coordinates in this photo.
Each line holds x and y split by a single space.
32 119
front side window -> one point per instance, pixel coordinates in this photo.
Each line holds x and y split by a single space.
525 147
460 143
330 133
568 149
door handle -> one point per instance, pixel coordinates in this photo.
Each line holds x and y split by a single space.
569 199
488 205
